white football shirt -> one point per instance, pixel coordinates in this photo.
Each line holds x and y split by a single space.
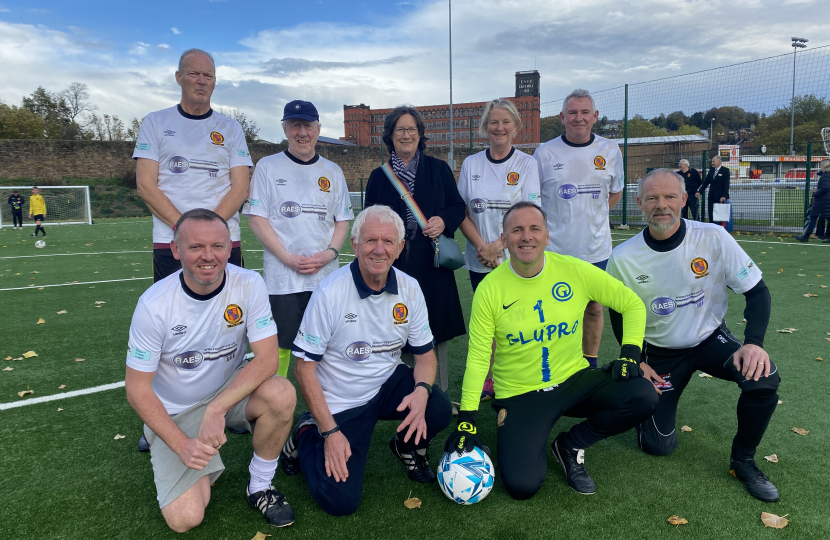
357 334
576 181
194 342
302 201
684 290
195 156
490 187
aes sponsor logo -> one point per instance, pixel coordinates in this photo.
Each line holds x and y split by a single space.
359 351
290 209
567 191
178 164
188 359
663 306
478 205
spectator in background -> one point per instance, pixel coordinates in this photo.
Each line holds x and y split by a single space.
692 180
16 203
490 183
433 187
718 178
821 201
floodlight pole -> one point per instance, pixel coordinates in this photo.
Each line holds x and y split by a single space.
797 43
450 158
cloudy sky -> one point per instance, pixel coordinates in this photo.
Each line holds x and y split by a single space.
382 53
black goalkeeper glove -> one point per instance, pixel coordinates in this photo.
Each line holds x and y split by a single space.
465 436
627 366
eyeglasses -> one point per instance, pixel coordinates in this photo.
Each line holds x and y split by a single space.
410 130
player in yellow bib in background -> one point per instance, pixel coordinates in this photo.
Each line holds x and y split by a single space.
37 209
534 307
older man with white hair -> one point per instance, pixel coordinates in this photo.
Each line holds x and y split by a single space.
350 371
299 209
582 177
681 270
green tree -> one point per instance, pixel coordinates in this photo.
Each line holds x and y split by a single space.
811 114
18 123
550 127
686 130
56 114
640 127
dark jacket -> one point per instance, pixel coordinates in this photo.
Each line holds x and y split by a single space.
16 202
821 196
719 183
692 180
437 195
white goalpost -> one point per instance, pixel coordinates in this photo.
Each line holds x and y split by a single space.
65 205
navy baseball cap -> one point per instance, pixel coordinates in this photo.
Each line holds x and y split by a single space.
304 110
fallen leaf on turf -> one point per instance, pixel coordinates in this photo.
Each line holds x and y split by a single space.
8 368
801 275
99 306
29 354
744 320
260 536
17 274
59 409
674 520
412 502
819 275
732 472
819 359
18 358
780 402
685 428
92 287
41 288
35 272
776 522
823 286
24 392
785 331
7 358
763 253
772 459
810 295
41 321
61 387
100 302
117 436
780 270
62 312
79 359
801 431
705 375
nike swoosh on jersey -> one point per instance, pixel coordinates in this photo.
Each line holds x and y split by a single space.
508 305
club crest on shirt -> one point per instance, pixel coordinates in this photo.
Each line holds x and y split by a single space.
324 183
599 163
700 267
217 138
512 178
400 313
233 315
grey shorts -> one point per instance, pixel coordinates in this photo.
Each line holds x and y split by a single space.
172 477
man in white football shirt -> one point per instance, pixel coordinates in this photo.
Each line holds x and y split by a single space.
187 377
190 156
681 270
351 374
299 208
582 180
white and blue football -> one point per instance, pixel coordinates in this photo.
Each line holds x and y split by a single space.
466 478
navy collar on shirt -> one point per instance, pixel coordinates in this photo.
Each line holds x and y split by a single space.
364 291
193 116
578 145
202 297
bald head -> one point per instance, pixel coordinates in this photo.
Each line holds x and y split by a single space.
668 174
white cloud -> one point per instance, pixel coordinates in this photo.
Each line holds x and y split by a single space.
3 9
162 46
175 31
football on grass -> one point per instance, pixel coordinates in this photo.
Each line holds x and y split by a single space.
40 244
466 478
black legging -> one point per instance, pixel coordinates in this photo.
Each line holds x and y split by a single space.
17 217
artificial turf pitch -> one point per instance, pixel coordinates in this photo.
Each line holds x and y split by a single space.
65 476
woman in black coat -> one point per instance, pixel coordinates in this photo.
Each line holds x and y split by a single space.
433 187
821 201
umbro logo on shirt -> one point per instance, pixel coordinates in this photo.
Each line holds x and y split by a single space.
558 166
476 177
169 133
642 279
281 181
179 330
351 317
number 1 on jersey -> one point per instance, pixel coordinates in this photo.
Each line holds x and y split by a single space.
538 307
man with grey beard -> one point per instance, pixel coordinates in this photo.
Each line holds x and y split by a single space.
681 269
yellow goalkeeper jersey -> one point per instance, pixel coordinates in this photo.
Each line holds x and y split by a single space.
537 324
37 205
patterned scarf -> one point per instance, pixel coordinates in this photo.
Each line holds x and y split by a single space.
407 175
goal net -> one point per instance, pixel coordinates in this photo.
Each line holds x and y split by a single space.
65 205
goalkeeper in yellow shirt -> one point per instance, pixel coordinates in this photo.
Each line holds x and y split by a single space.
533 306
37 209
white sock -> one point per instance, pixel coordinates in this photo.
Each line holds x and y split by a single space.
262 472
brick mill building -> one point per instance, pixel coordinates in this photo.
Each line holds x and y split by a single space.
364 125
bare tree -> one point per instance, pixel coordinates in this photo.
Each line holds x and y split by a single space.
249 127
107 128
76 96
134 128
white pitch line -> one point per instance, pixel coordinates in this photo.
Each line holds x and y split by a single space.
73 393
55 397
65 254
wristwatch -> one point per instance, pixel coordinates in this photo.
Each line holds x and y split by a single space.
425 385
325 434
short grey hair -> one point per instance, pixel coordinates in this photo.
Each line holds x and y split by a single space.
660 172
579 93
684 162
503 104
524 204
198 214
188 52
384 214
824 165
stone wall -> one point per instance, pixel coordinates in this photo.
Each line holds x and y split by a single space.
60 161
